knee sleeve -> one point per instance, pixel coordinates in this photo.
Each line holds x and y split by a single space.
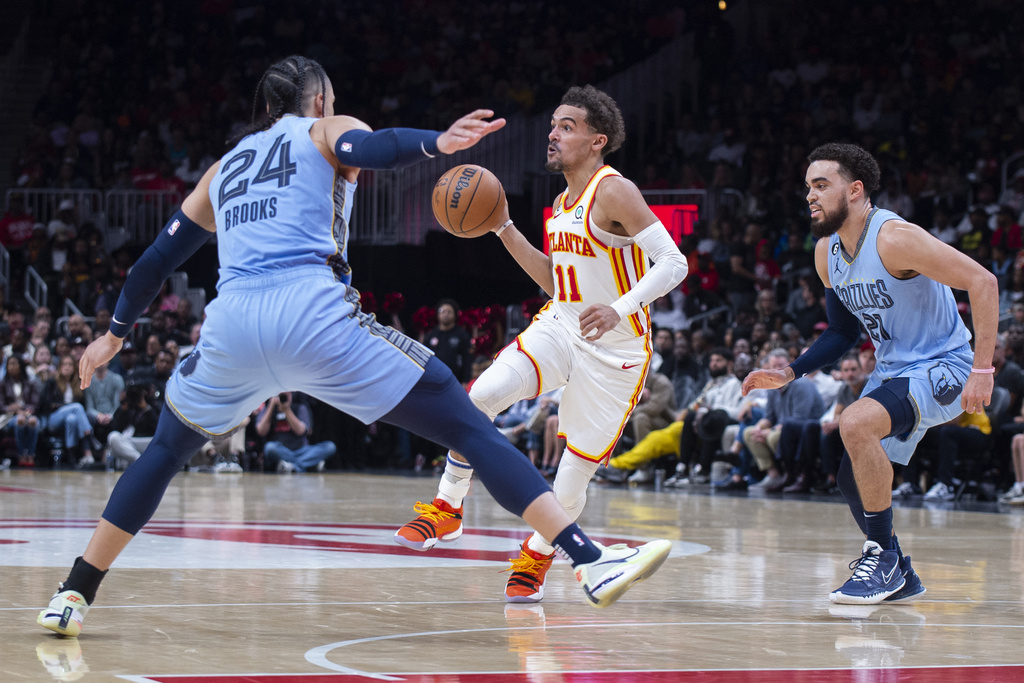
510 378
848 486
139 490
574 474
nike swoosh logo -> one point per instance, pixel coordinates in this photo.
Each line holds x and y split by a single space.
629 367
888 577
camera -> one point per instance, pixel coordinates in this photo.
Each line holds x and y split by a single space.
283 398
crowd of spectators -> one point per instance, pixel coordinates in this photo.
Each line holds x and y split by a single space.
930 88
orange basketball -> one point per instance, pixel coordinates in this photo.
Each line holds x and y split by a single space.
469 201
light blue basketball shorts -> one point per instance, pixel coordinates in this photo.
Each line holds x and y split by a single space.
934 392
291 331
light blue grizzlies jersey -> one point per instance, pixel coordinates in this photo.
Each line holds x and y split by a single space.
279 204
909 320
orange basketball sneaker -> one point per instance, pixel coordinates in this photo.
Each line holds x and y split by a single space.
528 570
437 521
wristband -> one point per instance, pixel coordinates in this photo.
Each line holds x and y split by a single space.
502 228
984 371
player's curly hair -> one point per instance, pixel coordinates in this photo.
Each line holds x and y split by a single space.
603 115
855 163
284 88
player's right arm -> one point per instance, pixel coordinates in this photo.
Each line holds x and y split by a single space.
842 333
187 230
536 263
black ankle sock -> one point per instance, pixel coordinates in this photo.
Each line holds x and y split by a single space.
85 579
575 544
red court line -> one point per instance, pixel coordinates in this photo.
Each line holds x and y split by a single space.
959 674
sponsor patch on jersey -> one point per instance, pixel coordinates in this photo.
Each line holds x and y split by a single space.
579 212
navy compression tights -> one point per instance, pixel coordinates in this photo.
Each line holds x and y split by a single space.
436 408
439 409
139 490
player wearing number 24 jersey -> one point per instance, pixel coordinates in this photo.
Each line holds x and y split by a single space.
593 337
287 319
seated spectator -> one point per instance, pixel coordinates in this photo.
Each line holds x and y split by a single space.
523 425
1015 494
40 334
805 441
553 444
969 433
62 406
132 426
941 228
224 456
42 365
20 346
19 395
102 398
663 358
656 407
286 425
698 427
797 400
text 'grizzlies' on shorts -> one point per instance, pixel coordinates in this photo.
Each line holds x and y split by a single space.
250 211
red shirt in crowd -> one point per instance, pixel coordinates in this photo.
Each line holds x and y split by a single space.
16 229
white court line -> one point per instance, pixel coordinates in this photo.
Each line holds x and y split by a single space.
318 655
400 603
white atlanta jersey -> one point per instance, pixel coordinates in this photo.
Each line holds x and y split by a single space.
592 266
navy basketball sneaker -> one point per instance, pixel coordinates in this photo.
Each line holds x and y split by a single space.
876 576
913 588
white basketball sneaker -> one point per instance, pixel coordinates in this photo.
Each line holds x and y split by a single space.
65 613
605 579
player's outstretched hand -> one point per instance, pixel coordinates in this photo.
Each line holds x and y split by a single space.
468 131
96 354
598 318
977 392
767 379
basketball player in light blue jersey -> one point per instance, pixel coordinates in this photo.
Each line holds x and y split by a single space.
893 278
286 319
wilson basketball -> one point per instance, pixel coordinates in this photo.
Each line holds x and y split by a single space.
469 201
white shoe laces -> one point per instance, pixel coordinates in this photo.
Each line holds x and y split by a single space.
864 566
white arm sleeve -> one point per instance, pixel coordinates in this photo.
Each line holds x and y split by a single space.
669 269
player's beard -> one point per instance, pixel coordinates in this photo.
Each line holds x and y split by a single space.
554 166
829 223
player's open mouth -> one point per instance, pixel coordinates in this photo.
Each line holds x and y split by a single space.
815 211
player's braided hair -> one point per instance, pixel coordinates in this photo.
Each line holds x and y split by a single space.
282 89
603 115
855 163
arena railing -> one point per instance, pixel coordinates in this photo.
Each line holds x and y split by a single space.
36 290
5 269
140 213
44 204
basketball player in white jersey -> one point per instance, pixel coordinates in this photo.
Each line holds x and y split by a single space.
593 337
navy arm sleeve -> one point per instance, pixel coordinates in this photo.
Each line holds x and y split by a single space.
842 333
388 149
179 239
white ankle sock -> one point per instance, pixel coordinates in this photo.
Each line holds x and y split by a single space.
454 485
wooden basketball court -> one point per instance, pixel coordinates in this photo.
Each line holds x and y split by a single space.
264 578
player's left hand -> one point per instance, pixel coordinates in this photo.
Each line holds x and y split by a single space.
468 131
599 317
977 392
